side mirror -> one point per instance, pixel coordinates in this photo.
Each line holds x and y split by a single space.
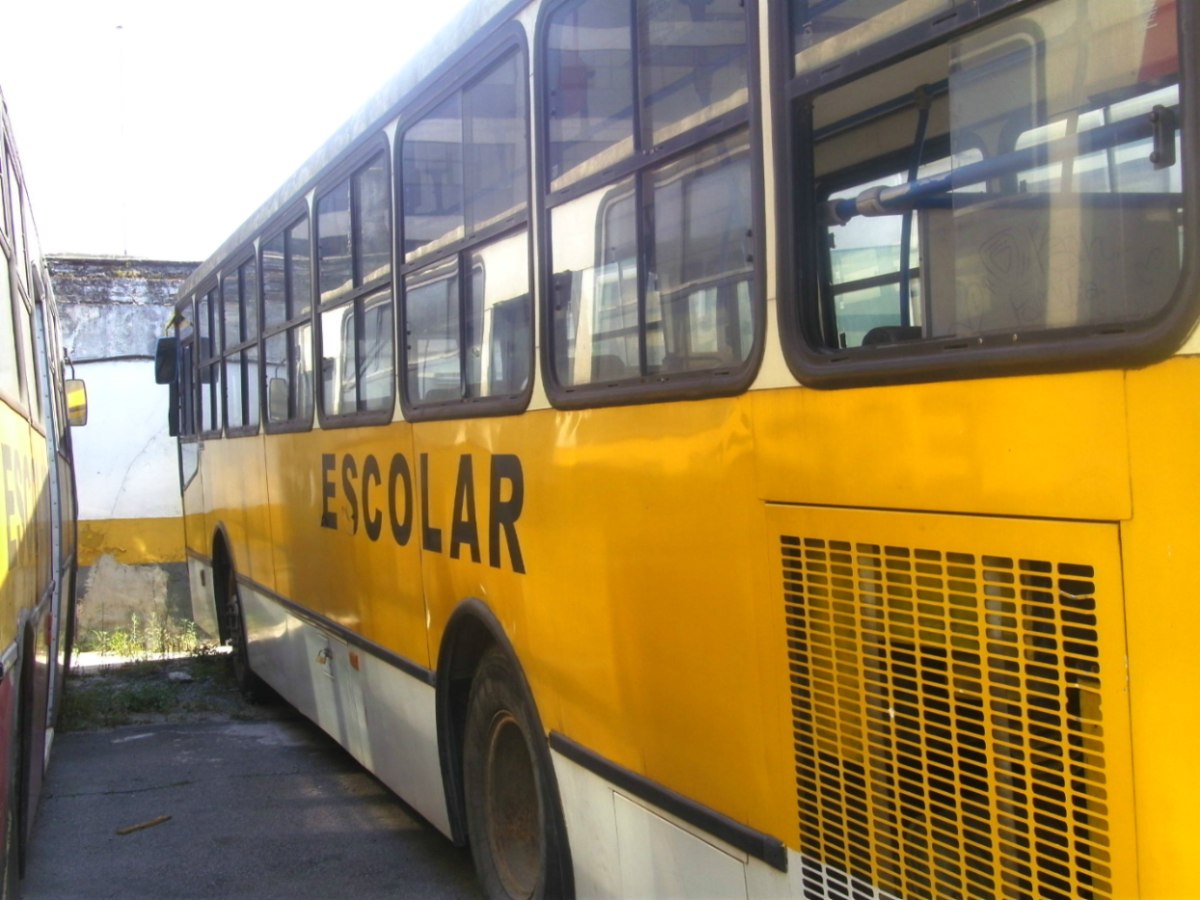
165 360
77 406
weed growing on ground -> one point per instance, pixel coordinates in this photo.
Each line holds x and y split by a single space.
145 692
156 635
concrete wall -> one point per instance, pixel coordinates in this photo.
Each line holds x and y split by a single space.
131 555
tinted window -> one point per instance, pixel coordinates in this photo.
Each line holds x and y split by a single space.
433 178
354 263
1030 192
589 101
467 317
288 344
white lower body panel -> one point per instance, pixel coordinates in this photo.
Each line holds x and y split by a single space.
343 688
622 846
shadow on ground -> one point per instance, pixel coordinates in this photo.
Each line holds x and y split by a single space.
164 782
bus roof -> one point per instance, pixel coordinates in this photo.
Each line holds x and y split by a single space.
475 21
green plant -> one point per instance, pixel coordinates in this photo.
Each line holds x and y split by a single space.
101 703
156 635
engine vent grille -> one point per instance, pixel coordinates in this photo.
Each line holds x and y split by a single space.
947 723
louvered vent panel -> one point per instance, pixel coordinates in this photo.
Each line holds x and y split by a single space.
948 736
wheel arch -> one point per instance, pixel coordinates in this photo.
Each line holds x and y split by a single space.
223 569
472 630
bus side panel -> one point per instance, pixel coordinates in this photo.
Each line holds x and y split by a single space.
197 538
384 716
632 608
946 672
344 515
1162 572
1052 445
238 505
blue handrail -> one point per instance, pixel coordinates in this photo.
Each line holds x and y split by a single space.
888 201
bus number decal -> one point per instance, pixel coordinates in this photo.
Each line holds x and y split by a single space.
364 494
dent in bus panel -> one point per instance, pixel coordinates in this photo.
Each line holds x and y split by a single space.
1053 214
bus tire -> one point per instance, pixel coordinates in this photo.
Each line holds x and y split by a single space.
514 820
251 686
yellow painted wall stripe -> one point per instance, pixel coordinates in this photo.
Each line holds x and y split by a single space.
131 541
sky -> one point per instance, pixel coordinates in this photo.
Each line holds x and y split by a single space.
154 128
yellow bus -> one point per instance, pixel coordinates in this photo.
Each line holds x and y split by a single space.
38 403
719 448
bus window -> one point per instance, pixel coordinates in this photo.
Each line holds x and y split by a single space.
354 275
209 385
33 392
499 327
510 351
239 294
701 74
596 287
10 382
287 326
466 184
589 66
187 397
431 164
374 356
694 312
431 305
702 259
495 170
652 273
16 209
1022 177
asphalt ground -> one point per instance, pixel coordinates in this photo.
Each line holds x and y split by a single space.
217 800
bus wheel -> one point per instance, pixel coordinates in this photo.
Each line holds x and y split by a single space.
248 683
513 816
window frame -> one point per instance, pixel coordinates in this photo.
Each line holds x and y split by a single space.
510 39
232 352
16 401
204 296
283 225
373 144
187 332
16 205
640 166
800 256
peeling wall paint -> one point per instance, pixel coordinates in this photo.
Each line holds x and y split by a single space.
131 555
